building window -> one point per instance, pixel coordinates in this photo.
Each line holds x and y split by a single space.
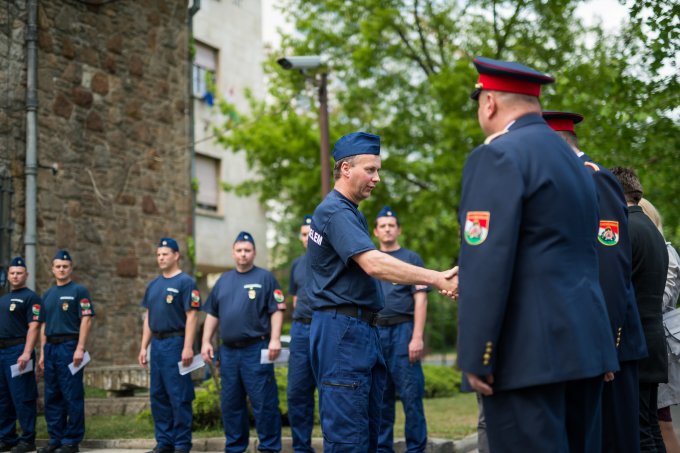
204 71
208 175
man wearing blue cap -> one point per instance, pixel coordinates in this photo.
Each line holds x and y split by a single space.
534 337
171 302
66 319
401 325
620 405
19 328
342 262
247 304
301 385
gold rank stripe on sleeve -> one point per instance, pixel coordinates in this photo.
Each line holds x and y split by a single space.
486 358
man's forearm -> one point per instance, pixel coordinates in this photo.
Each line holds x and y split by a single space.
276 322
419 314
190 329
385 267
85 324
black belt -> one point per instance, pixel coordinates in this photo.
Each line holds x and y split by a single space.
58 339
170 334
394 320
245 343
7 342
303 320
355 311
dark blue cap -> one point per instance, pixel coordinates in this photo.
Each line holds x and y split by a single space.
562 121
508 76
356 143
168 242
18 262
386 211
307 220
244 236
62 255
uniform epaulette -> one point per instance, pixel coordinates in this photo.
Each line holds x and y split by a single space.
493 137
592 165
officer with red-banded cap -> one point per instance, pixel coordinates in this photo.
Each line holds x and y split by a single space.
620 405
533 326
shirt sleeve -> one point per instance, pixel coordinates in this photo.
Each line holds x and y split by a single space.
292 286
41 311
348 235
34 308
85 307
191 297
275 299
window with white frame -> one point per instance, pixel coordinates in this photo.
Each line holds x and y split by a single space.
208 176
204 70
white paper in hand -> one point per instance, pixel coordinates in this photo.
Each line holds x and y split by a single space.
27 369
282 358
86 359
196 363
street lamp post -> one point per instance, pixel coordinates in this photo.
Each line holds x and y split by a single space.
304 63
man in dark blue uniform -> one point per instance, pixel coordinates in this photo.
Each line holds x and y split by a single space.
620 405
650 267
66 318
341 262
533 327
247 305
301 383
172 302
401 325
19 328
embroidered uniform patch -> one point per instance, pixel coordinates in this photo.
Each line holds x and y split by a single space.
476 227
195 298
278 295
252 294
608 233
36 311
169 298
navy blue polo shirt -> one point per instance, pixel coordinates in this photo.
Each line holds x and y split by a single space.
399 298
18 308
298 274
244 302
168 300
338 232
63 306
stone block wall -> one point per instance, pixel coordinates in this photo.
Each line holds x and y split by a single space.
113 99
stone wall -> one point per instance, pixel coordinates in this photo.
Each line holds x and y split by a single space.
113 98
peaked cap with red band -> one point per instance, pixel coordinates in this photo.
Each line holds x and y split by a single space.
562 121
508 76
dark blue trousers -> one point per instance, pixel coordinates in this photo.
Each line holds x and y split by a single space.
17 399
301 386
242 373
350 373
64 395
563 417
407 380
171 395
621 411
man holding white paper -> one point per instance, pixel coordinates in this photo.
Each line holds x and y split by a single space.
247 304
171 301
19 328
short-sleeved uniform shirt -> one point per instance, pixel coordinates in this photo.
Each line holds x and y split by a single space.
18 308
243 302
399 298
338 232
63 306
168 300
297 287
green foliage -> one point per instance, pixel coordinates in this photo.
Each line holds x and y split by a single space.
441 381
441 329
206 407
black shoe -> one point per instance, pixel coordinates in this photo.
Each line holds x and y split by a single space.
49 449
23 447
72 448
4 446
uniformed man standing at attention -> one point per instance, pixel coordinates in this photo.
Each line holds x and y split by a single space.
172 302
620 405
19 329
533 328
247 303
401 325
66 319
301 385
342 262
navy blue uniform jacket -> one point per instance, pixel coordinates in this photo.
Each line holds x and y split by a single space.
531 310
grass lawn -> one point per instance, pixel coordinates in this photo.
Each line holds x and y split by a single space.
449 418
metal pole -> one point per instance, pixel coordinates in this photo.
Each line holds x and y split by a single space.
323 129
31 170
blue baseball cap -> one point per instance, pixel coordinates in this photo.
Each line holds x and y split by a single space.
386 211
168 242
562 121
244 236
18 262
356 143
62 255
306 220
508 76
